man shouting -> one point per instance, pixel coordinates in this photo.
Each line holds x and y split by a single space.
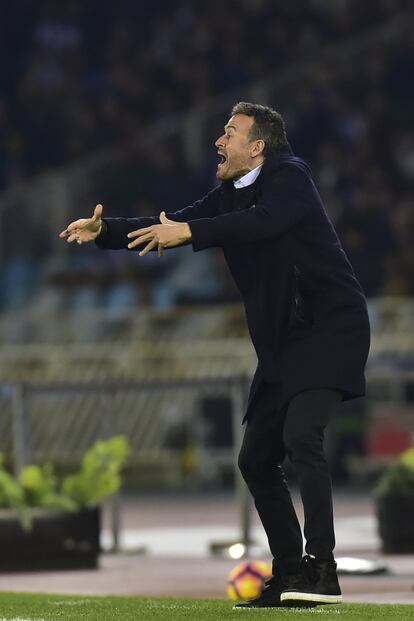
308 321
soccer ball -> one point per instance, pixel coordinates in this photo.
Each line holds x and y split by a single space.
246 581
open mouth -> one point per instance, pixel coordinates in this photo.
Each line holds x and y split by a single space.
222 159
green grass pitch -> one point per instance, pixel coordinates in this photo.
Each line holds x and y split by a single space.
43 607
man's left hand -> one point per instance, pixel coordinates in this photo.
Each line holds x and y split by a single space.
165 235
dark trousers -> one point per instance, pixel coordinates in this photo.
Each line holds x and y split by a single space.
296 432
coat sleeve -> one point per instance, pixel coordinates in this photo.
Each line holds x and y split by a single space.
115 230
285 201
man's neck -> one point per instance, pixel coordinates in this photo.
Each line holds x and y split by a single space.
248 177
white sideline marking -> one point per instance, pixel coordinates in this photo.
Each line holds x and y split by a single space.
70 602
321 611
20 619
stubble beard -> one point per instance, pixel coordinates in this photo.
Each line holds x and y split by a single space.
229 174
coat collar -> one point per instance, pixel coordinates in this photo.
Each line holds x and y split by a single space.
279 158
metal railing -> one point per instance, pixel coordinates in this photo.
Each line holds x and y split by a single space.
23 395
386 393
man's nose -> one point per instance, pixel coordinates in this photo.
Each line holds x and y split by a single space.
219 142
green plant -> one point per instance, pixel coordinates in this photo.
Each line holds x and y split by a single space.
398 477
99 476
11 493
37 486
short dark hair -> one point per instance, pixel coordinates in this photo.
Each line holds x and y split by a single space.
268 125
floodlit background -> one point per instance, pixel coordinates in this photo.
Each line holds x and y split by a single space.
120 103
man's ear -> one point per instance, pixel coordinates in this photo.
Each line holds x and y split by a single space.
258 148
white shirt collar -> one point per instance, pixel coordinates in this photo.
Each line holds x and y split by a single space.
248 178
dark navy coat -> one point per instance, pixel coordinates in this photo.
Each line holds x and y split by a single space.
305 309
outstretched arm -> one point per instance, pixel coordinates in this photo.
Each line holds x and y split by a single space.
123 232
112 233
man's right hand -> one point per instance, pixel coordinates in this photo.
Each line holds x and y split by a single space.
84 230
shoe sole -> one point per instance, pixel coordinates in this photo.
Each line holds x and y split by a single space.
293 598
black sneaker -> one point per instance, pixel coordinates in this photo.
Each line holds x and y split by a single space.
269 597
317 583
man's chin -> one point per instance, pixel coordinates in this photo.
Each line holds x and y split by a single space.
223 175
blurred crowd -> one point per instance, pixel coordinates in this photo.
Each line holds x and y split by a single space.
85 75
